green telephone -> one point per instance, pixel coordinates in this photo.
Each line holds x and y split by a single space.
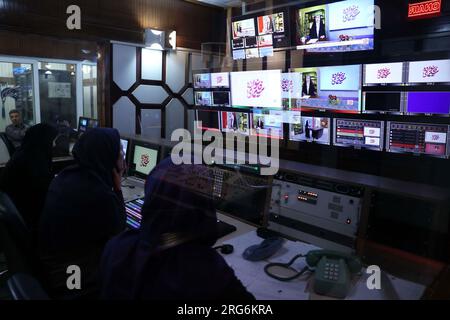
333 271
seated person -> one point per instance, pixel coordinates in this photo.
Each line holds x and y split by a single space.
83 210
16 130
171 255
27 175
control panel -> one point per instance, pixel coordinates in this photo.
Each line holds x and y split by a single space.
317 211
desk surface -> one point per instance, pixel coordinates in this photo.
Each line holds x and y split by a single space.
265 288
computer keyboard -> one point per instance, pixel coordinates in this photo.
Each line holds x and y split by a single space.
134 217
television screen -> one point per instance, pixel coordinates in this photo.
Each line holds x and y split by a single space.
239 54
267 123
266 52
330 88
422 138
434 71
238 43
251 42
382 101
428 102
203 98
291 88
359 133
340 26
209 120
220 80
221 98
251 53
340 78
235 122
311 129
256 89
265 41
275 28
124 144
383 73
244 28
144 159
202 81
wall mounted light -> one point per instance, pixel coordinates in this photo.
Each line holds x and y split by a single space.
160 40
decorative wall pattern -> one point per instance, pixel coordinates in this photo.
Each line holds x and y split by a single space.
151 90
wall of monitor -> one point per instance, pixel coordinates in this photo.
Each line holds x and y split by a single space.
337 91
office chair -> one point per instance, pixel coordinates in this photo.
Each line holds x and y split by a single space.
24 287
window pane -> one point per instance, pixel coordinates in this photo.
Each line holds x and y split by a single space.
57 89
16 87
90 91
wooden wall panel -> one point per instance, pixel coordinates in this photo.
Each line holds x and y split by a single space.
116 19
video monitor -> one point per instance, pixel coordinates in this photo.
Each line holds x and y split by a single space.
220 80
267 123
85 124
144 158
420 138
266 52
265 41
256 89
276 27
336 27
428 102
383 73
251 42
221 98
203 98
238 43
239 54
367 134
311 129
252 53
385 102
433 71
202 81
209 120
244 28
235 122
330 88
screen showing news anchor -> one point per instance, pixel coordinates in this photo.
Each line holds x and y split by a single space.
336 27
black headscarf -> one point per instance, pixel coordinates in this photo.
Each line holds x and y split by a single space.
98 151
28 174
178 205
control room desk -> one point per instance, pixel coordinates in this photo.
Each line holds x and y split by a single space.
265 288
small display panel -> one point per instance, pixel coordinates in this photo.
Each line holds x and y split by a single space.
220 80
383 73
144 159
359 133
428 102
311 129
203 98
382 101
422 138
209 120
202 81
221 98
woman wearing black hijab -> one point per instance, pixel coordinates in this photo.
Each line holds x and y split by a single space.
28 174
171 256
83 210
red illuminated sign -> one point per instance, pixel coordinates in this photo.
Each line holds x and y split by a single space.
424 9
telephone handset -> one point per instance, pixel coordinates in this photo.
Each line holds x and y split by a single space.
333 271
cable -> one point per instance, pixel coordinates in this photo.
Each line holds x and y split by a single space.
286 266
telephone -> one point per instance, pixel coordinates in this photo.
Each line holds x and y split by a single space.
333 271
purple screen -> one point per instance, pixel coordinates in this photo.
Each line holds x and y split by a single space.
429 102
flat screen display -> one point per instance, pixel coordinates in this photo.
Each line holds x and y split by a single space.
433 71
311 129
221 98
256 89
422 138
383 73
124 144
144 159
340 78
239 54
235 122
428 102
203 98
359 133
220 80
244 28
209 120
202 81
267 123
336 27
382 101
329 88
